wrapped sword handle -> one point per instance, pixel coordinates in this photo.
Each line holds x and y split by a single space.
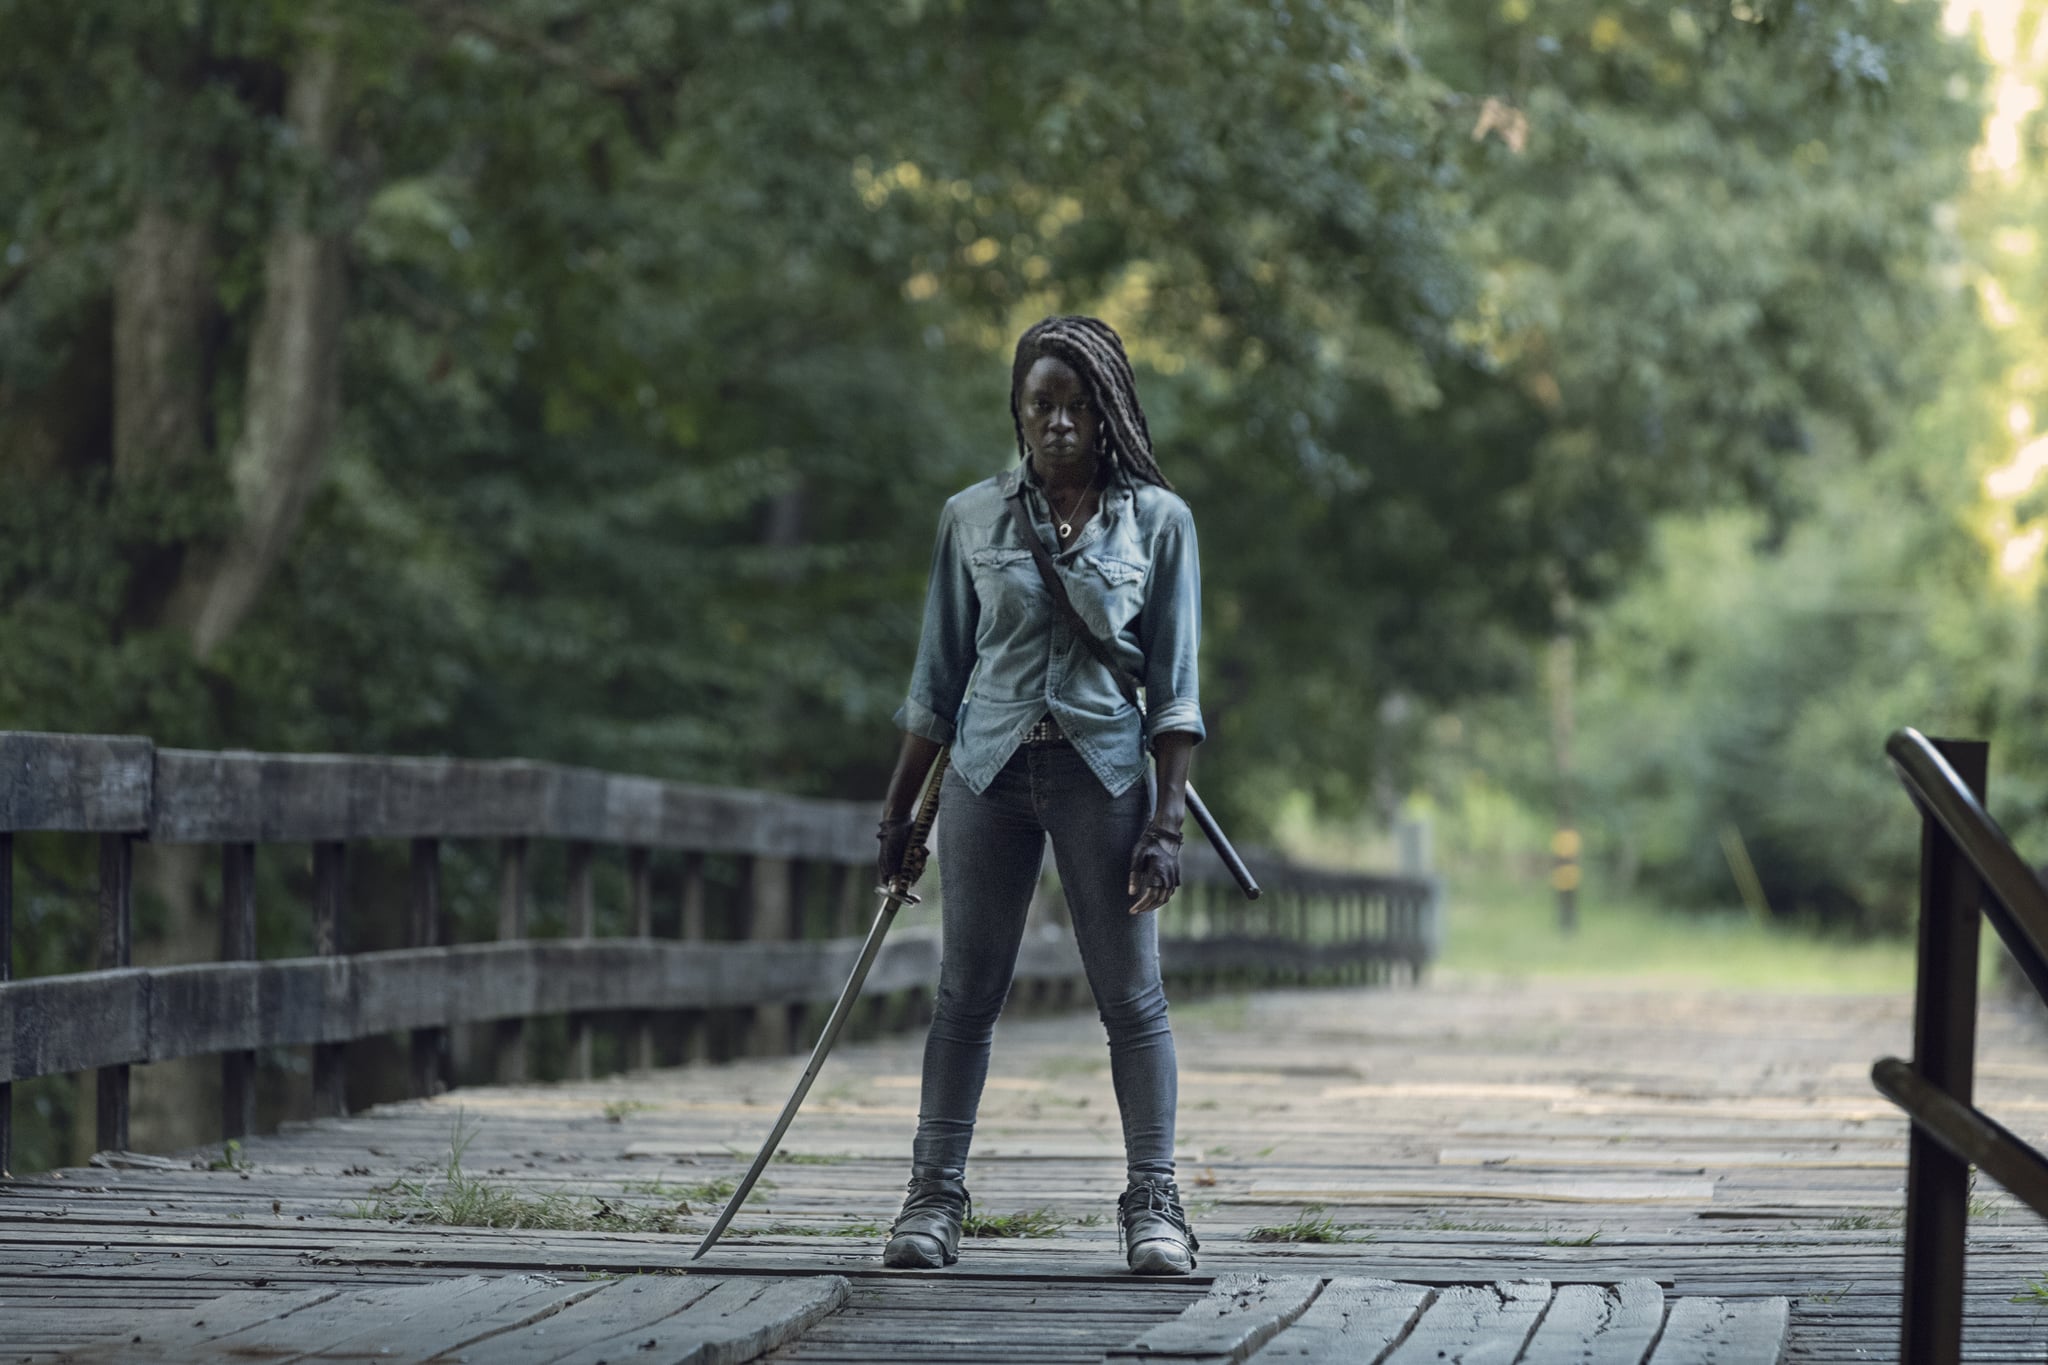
914 849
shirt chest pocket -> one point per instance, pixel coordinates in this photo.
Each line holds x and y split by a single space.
1107 592
1007 583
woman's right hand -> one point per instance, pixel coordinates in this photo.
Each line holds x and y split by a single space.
894 836
913 762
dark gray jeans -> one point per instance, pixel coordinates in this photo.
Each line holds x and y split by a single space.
989 851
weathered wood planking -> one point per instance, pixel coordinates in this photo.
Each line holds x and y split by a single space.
97 784
1475 1325
508 1320
1713 1332
1283 1090
1599 1325
1354 1319
1237 1316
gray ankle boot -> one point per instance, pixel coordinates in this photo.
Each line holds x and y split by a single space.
1154 1228
926 1234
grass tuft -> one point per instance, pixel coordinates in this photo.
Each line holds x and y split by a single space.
2036 1292
459 1199
1309 1225
618 1111
230 1158
1865 1222
1584 1241
1039 1222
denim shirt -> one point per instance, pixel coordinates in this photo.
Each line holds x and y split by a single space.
1132 574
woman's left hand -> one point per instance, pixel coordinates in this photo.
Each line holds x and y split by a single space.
1155 868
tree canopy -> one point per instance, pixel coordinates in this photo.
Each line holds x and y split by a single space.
581 380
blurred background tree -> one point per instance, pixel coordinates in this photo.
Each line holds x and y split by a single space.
581 381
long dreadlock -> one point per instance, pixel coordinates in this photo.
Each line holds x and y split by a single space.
1095 351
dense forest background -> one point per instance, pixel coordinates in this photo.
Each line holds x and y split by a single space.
1597 410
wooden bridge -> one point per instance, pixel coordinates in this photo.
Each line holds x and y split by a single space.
1379 1169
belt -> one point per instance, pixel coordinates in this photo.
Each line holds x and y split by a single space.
1047 731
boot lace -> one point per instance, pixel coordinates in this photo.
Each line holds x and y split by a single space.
1162 1199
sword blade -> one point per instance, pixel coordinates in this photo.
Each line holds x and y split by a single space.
834 1024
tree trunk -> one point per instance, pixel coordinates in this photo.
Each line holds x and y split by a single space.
293 394
163 303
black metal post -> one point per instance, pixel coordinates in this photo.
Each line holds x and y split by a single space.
1944 1045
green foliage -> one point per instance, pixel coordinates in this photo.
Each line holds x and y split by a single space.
667 332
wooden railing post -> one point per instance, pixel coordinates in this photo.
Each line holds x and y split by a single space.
429 1045
640 893
330 913
582 925
695 1023
117 949
510 1034
237 944
1944 1045
770 920
6 974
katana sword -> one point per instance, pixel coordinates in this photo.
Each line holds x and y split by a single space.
895 894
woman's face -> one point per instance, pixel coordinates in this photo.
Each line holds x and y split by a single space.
1061 425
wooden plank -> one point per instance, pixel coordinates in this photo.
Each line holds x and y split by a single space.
89 1019
1241 1313
1475 1325
413 1322
418 1322
628 1308
1655 1156
1598 1325
1355 1318
1425 1184
188 1333
1707 1331
738 1319
93 784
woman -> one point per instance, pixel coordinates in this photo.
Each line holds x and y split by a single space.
1047 745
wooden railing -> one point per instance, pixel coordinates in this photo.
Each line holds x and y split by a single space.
1967 866
805 866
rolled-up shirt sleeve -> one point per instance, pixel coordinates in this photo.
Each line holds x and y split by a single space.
1170 631
945 646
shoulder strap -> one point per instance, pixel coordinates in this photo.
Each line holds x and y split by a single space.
1125 682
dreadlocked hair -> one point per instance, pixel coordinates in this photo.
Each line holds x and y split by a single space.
1096 353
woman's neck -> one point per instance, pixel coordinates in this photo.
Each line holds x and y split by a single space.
1067 480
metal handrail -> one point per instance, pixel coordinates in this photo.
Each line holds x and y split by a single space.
2018 908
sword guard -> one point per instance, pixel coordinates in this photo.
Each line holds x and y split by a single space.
904 897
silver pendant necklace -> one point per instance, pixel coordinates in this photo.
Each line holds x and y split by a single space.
1065 524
